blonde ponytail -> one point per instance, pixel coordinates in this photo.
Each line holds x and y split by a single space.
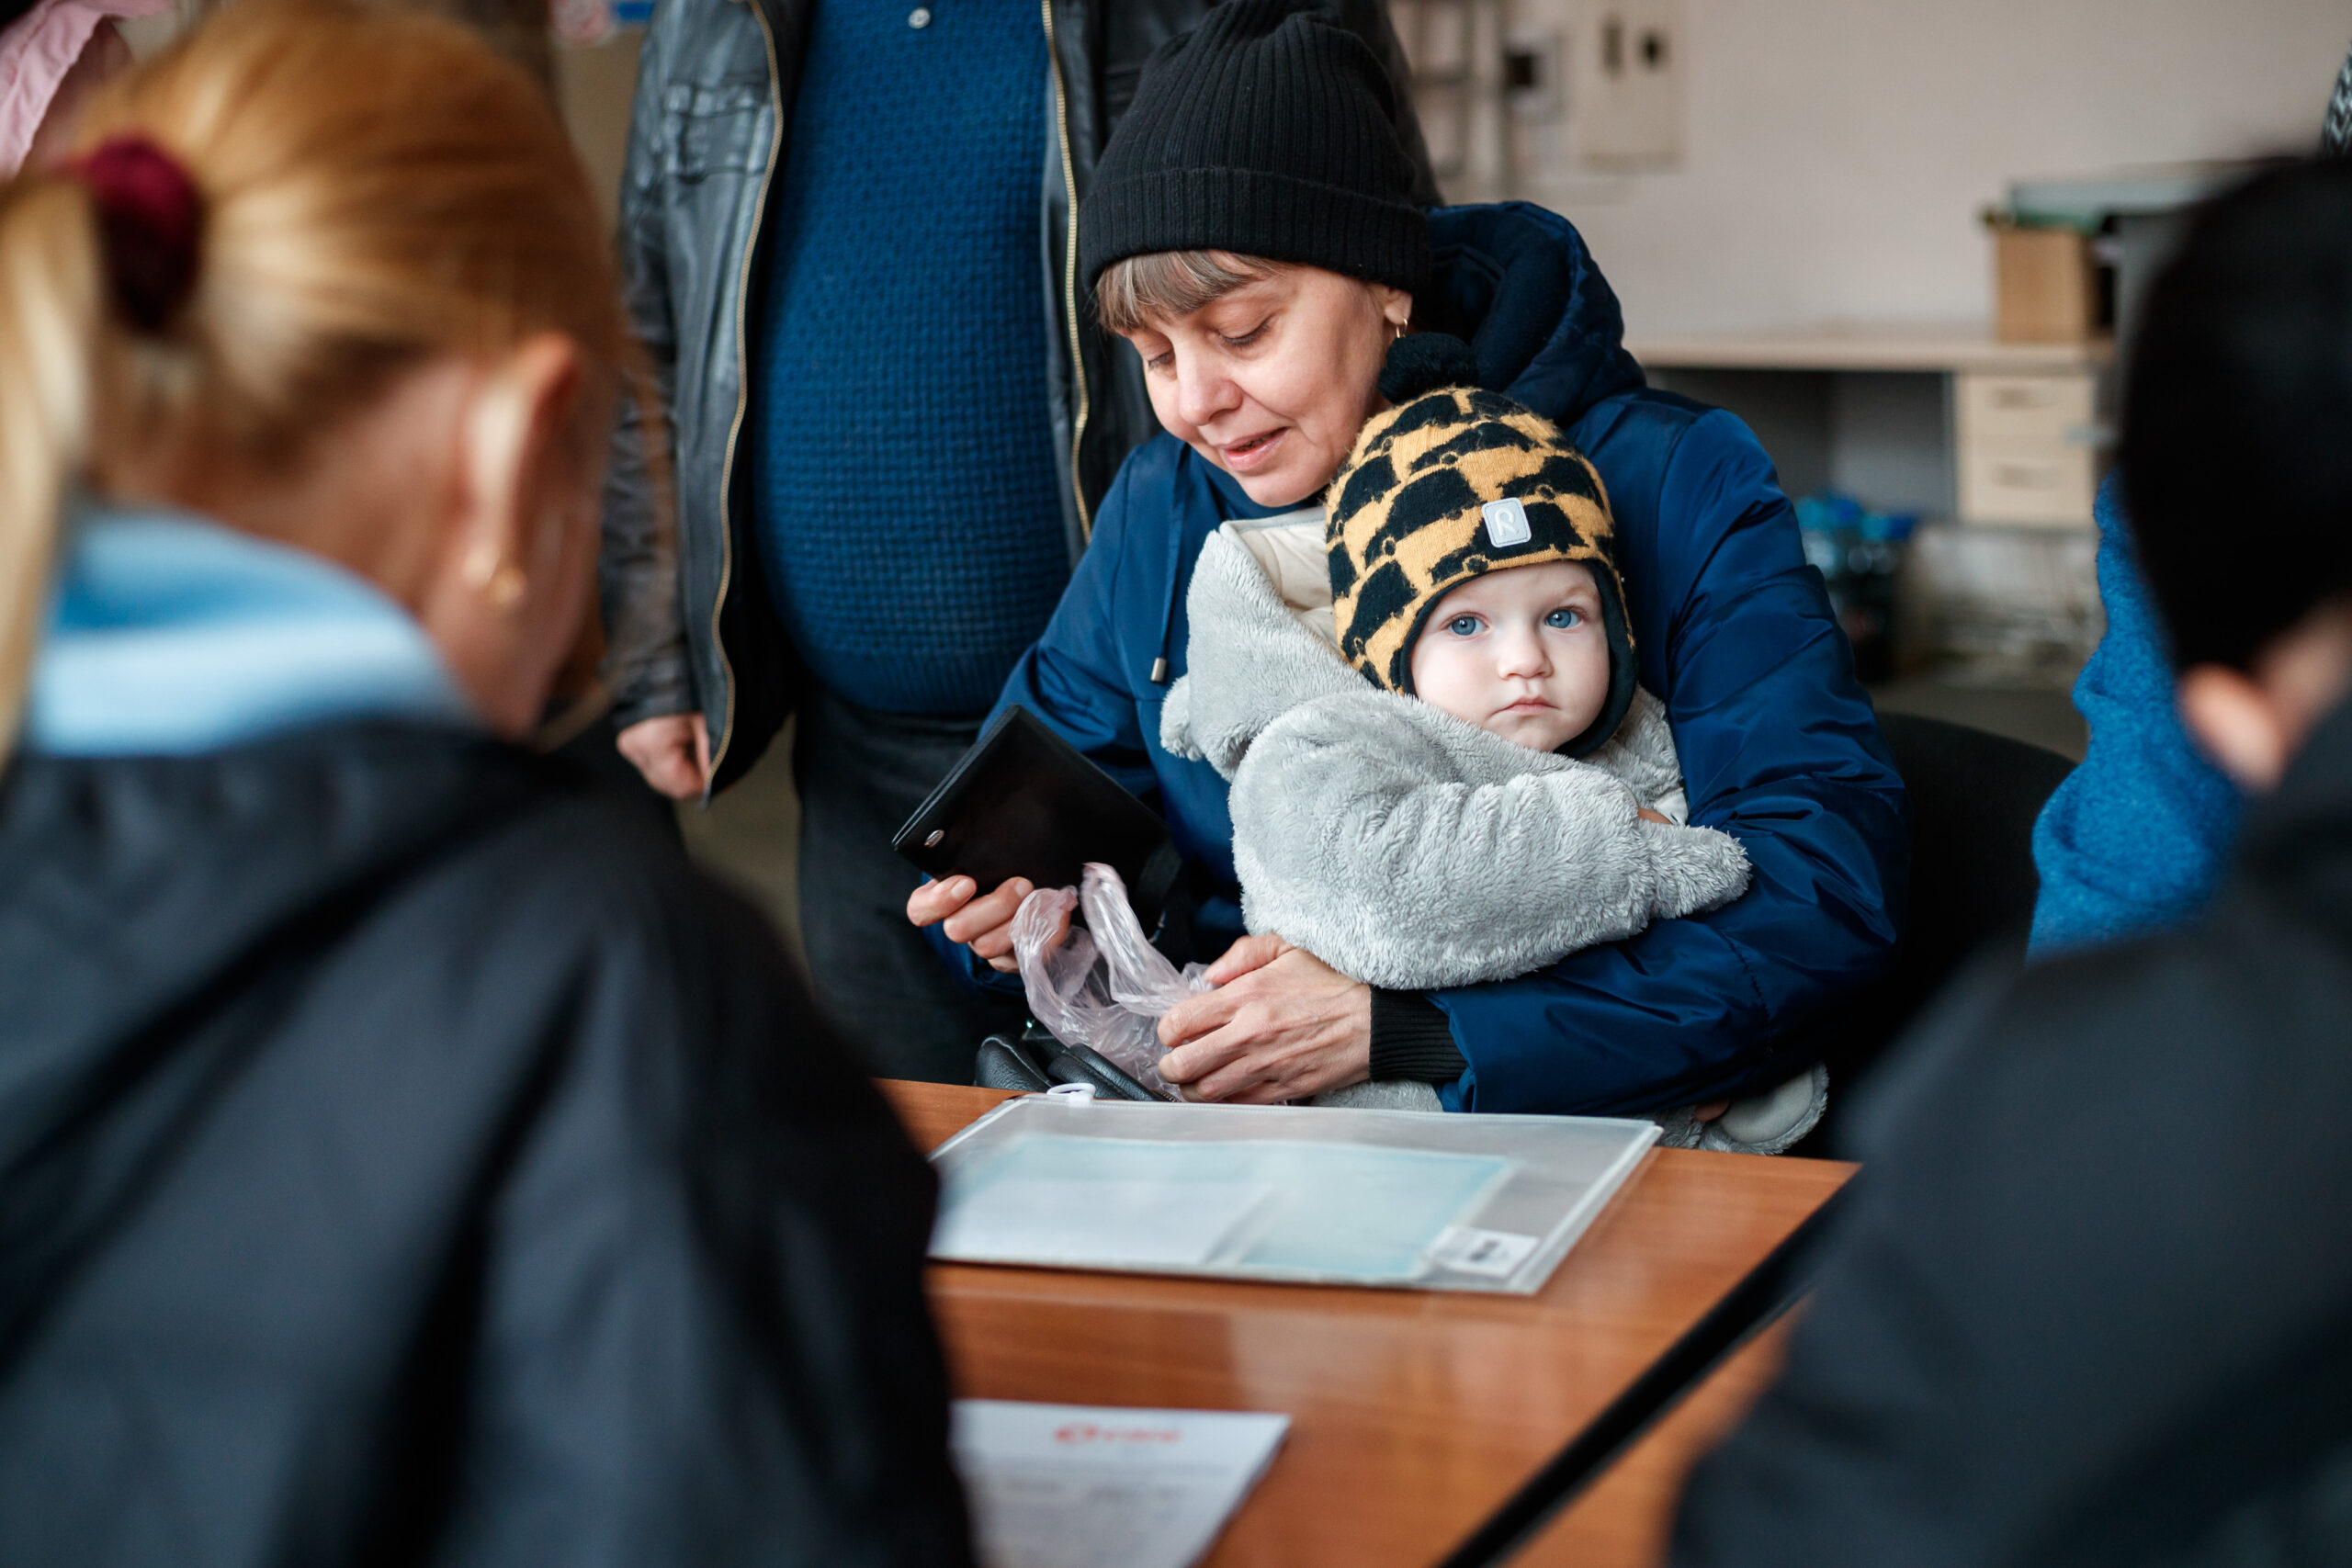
49 301
376 189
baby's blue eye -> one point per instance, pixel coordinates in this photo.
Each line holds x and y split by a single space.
1564 620
1464 626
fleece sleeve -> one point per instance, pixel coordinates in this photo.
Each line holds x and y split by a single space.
2133 840
1779 748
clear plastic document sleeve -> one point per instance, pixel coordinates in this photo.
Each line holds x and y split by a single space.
1301 1193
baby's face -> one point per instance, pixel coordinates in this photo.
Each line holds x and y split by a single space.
1518 653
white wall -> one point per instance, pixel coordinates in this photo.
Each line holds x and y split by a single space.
1837 153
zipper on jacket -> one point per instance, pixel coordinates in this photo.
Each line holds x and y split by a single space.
1070 274
742 392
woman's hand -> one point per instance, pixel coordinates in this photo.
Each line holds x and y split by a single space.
672 752
1281 1026
984 925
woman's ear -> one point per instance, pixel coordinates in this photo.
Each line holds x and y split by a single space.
504 600
2253 722
512 448
2234 719
1396 305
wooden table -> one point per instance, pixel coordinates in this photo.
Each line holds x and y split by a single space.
1624 1518
1425 1427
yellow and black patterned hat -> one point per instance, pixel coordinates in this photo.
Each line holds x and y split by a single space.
1450 484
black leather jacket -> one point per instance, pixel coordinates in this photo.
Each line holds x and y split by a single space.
686 613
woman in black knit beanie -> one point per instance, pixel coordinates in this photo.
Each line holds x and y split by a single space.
1251 233
1256 203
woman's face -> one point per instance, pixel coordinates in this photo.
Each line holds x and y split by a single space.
1272 381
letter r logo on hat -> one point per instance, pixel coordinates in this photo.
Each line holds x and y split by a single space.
1506 522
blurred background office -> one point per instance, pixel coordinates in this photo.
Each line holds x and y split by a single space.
1897 238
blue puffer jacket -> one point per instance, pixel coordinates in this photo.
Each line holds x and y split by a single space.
1778 745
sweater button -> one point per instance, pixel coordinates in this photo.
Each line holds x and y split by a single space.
919 17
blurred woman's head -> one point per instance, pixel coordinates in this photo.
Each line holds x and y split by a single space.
1267 369
2237 468
388 334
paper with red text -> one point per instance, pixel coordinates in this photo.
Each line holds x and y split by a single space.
1080 1485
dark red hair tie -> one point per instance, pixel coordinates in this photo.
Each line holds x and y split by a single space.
150 217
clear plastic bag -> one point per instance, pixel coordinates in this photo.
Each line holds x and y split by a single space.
1106 987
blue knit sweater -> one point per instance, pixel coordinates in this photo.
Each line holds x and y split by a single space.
2134 840
903 468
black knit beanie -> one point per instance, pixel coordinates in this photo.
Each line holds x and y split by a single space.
1268 132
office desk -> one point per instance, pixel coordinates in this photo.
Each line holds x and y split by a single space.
1424 1426
1625 1517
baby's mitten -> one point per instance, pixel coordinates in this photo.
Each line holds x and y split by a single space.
1692 870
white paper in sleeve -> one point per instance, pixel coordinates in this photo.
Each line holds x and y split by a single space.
1081 1486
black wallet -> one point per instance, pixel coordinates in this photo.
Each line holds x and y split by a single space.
1023 802
1033 1062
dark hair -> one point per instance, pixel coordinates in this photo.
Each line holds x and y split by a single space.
2237 436
1167 286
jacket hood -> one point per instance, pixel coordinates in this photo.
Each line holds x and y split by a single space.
1249 661
1516 282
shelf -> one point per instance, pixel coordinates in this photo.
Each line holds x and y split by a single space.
1929 347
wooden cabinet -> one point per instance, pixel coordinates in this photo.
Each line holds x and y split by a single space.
1994 446
1946 422
2025 447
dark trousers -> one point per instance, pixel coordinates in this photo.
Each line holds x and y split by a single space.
879 983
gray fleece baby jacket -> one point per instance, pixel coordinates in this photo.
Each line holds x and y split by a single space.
1401 845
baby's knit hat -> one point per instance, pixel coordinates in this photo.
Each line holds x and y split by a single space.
1449 484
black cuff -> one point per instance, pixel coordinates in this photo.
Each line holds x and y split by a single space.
1412 1038
648 692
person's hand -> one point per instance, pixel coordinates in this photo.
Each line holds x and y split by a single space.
1281 1026
984 925
1646 814
672 752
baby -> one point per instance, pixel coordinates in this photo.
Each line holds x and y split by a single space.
1501 793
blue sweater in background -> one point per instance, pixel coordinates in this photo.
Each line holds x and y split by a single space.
2134 838
903 468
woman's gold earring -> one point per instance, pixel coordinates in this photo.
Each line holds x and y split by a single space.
506 589
503 585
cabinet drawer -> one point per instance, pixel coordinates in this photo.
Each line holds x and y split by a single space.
2052 488
2047 412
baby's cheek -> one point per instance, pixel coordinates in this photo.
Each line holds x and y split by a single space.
1445 678
1589 680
